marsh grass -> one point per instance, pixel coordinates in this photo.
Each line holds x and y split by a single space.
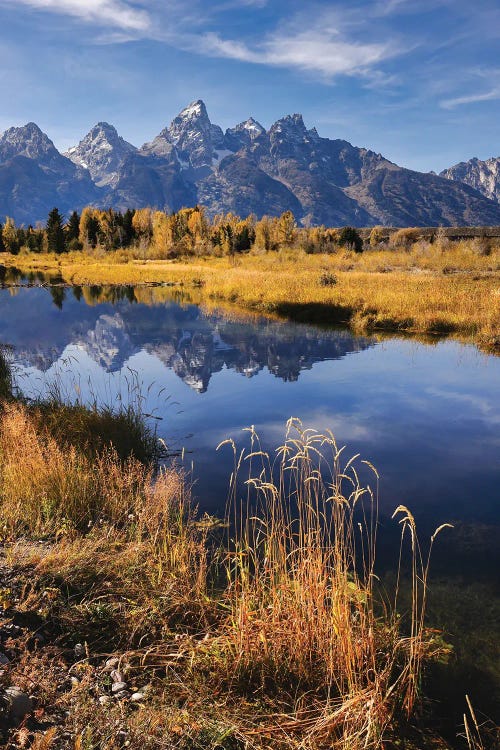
5 376
306 614
280 637
96 428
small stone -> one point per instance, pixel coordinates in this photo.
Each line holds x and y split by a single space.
119 686
19 703
137 697
121 694
11 630
104 699
75 681
117 676
111 663
79 651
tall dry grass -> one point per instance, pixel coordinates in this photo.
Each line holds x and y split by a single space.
46 486
306 617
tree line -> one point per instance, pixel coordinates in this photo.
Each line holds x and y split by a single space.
158 234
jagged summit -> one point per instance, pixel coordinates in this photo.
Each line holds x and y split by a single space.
193 111
483 176
244 134
247 169
252 126
194 136
102 152
28 140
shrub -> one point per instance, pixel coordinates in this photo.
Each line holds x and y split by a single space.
327 279
405 237
377 235
350 238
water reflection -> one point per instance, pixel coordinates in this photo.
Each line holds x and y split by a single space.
117 323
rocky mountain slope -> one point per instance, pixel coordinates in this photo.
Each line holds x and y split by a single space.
483 176
246 169
35 177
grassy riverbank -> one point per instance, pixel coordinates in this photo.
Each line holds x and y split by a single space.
270 632
431 289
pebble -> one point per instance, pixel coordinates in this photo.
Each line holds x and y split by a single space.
117 676
79 651
20 704
11 630
119 686
104 699
137 697
111 663
121 694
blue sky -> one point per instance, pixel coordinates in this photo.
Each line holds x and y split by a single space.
417 80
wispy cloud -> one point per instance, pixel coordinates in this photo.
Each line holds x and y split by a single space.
492 93
113 13
330 45
320 48
458 101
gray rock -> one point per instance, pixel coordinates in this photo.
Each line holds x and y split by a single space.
119 686
111 663
19 703
135 697
483 176
104 700
117 676
79 650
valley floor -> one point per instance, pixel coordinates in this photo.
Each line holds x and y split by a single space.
424 291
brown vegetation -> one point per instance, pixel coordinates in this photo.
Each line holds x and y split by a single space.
277 638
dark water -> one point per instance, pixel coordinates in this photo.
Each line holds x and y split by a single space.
427 416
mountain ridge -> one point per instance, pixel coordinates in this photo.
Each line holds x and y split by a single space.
245 169
482 175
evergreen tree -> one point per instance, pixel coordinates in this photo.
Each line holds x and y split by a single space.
2 246
56 241
128 228
73 227
350 238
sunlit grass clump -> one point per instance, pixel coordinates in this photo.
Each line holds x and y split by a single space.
307 616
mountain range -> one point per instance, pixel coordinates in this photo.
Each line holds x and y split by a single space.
246 169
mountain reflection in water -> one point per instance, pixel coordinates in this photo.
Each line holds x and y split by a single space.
116 323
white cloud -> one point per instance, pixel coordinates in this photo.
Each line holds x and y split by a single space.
317 49
330 45
458 101
114 13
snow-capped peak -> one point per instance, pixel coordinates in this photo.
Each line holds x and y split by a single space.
253 127
194 110
102 152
